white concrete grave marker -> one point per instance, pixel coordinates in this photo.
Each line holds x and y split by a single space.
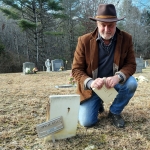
66 106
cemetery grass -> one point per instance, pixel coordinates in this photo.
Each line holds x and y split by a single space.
23 101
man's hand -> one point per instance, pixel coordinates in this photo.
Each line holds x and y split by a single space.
111 81
98 83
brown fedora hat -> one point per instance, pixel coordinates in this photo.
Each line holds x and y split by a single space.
106 13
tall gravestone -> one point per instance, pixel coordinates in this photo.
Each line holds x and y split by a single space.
28 67
57 64
139 65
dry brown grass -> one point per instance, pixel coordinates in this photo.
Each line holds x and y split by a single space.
23 100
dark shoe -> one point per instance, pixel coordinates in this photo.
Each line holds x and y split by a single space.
117 120
101 109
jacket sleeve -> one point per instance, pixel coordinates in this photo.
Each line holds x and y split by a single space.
79 65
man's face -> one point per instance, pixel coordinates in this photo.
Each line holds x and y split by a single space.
106 29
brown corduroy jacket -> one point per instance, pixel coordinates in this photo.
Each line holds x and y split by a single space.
85 62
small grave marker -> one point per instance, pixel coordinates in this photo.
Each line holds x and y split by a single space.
49 127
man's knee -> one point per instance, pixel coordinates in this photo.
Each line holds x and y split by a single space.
132 86
87 122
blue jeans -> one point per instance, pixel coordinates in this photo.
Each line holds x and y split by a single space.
88 111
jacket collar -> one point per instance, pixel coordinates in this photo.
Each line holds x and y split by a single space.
94 48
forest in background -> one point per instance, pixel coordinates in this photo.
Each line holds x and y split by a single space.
36 30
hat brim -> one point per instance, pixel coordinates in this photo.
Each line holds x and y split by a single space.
106 20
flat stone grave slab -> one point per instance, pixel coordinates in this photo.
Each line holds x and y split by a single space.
65 86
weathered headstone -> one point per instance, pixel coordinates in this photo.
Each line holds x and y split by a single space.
28 67
146 64
139 65
66 106
57 64
47 64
